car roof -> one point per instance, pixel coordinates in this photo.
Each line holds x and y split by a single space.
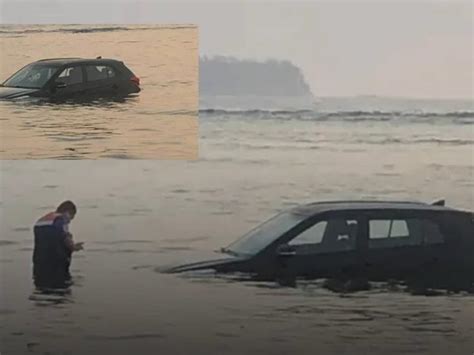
344 205
65 61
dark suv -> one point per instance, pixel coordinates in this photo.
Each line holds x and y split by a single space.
71 78
380 240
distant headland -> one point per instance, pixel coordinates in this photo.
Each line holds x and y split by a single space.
225 81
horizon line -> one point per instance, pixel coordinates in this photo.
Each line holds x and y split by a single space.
381 96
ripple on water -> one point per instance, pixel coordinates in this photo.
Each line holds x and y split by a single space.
126 336
186 240
51 297
90 207
126 251
142 267
20 229
222 213
142 210
4 311
180 191
8 242
175 248
123 214
226 335
125 241
117 156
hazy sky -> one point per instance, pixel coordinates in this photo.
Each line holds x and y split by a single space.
403 48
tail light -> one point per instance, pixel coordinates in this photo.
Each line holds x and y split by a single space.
135 80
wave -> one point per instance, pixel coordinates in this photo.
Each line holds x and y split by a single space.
13 30
439 141
459 117
325 144
454 114
251 112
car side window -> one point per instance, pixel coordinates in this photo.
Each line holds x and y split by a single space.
71 76
312 235
399 229
379 229
99 72
329 235
389 233
384 228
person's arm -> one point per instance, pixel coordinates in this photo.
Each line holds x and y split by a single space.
63 227
71 245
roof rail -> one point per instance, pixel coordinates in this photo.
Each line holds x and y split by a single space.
42 60
439 203
368 201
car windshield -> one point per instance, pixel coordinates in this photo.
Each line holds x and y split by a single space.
32 77
262 236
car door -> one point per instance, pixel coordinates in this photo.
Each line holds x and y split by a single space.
447 252
395 244
327 248
444 253
102 80
69 83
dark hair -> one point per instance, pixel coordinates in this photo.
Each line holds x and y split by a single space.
67 206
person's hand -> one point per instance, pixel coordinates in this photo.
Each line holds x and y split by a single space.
79 246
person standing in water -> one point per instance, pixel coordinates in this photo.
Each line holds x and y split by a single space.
53 247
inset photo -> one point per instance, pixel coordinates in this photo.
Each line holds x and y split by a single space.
99 92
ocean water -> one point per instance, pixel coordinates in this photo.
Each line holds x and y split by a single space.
137 216
159 123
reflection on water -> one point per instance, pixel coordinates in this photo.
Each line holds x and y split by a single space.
160 122
51 296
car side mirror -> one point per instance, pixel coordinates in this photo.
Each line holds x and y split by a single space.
285 250
60 85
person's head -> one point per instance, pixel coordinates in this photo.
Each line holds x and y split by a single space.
67 207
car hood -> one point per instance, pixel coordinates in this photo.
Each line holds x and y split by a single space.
201 261
12 93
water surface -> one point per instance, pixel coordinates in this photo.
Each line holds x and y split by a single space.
158 123
136 216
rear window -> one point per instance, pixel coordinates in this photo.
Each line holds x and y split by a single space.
387 233
100 72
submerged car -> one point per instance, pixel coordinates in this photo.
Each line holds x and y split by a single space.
377 240
71 78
